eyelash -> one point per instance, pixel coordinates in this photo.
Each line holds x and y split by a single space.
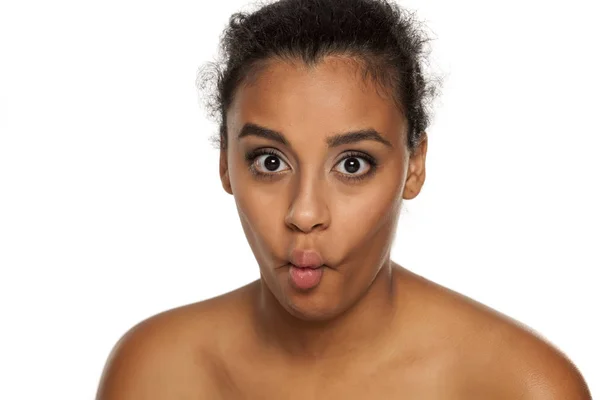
253 155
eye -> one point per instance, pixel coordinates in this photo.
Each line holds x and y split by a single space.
268 164
356 166
263 162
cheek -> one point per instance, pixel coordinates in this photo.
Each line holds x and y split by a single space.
261 210
366 212
359 217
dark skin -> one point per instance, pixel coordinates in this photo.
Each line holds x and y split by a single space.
371 329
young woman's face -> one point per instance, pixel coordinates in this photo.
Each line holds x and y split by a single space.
317 162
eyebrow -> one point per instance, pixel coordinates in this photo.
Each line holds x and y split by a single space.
251 129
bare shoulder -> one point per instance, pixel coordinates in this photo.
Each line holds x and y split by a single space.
547 372
495 356
174 354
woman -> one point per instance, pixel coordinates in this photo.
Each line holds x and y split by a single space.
323 108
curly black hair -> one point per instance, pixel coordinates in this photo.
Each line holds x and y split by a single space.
386 40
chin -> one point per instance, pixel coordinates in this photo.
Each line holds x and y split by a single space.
317 305
308 311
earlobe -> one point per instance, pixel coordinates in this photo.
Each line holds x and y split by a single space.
226 183
224 172
416 171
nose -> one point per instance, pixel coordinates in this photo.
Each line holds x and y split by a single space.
308 210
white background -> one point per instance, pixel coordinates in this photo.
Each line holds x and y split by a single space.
111 209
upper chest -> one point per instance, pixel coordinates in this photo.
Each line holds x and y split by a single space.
355 380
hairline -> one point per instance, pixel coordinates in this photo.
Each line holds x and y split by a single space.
361 62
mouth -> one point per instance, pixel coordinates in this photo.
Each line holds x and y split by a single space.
306 259
305 269
305 266
305 277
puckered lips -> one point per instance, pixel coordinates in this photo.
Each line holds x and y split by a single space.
306 269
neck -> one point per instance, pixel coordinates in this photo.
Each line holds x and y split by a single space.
366 323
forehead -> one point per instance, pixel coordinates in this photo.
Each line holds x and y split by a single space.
311 101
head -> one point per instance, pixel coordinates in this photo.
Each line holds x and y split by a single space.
323 110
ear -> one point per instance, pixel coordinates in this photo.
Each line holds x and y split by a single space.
224 172
416 170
